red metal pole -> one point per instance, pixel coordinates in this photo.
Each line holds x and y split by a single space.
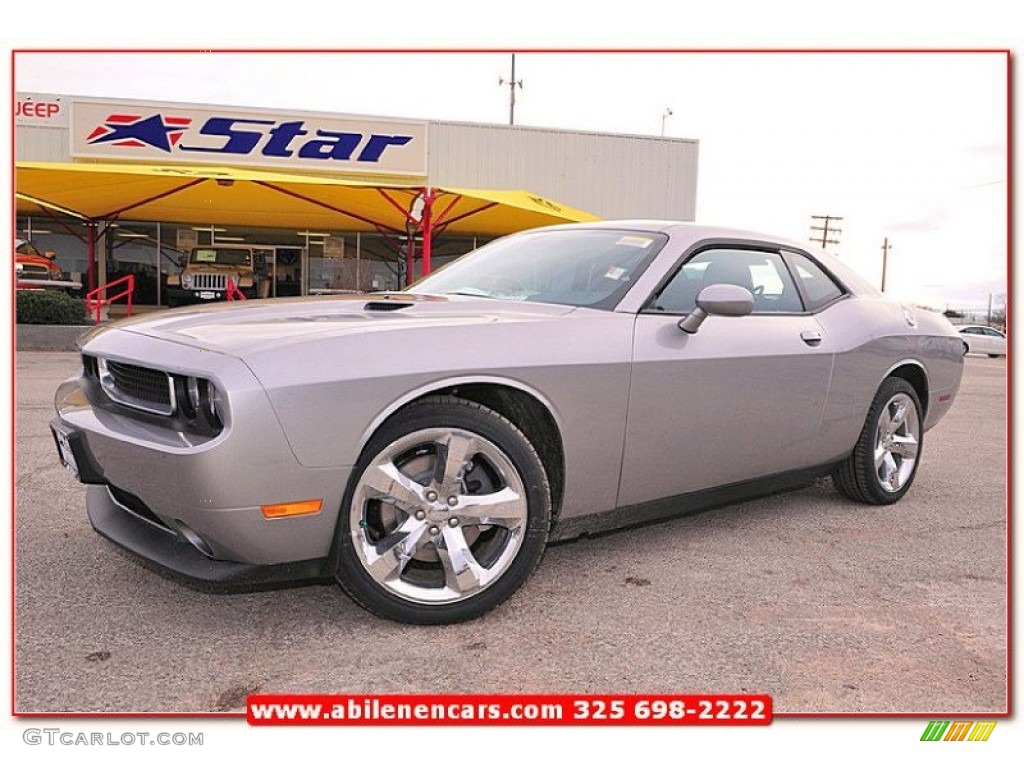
428 201
91 250
410 260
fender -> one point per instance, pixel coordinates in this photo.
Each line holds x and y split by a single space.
435 386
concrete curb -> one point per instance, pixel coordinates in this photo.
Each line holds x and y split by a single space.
49 338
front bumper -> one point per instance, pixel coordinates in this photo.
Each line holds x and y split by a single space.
169 554
191 504
180 296
183 296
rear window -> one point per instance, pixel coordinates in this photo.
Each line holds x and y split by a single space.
819 288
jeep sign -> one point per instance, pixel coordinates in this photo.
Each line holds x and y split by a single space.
225 136
41 110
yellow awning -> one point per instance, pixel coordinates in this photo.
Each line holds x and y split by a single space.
253 198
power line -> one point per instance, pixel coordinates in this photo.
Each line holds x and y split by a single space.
824 231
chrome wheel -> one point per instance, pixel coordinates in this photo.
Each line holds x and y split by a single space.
883 463
897 442
438 516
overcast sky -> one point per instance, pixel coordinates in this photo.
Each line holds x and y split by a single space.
911 146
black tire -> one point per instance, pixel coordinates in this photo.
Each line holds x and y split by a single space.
991 355
499 523
860 477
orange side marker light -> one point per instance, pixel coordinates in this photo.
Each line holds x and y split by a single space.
292 508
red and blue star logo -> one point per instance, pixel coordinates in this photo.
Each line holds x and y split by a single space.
137 131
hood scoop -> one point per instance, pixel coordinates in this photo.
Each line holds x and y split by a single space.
386 306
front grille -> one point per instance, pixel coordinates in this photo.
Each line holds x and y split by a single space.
210 282
35 272
138 387
190 404
91 368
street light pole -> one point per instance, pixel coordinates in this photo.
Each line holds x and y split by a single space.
512 85
885 260
666 114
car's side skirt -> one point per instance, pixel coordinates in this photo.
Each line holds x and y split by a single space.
687 503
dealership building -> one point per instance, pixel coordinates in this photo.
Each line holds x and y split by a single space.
332 203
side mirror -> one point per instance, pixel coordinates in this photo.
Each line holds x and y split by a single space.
718 299
51 255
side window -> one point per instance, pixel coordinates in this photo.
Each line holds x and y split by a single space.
972 331
762 273
819 288
993 332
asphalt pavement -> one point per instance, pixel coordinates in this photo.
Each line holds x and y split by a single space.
827 605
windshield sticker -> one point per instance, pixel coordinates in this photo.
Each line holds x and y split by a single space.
634 241
615 273
205 255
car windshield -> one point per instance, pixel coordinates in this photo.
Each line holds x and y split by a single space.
223 256
25 248
579 267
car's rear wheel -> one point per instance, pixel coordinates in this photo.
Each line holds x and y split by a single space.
446 515
884 462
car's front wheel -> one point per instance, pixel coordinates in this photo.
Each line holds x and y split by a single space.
446 514
884 461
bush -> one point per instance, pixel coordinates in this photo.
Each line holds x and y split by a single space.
49 308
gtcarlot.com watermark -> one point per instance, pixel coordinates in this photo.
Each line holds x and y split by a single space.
60 737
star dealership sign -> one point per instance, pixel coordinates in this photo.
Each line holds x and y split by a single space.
246 137
137 131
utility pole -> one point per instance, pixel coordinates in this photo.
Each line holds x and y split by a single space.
512 85
666 114
829 232
885 260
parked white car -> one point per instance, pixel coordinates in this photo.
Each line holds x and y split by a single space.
983 340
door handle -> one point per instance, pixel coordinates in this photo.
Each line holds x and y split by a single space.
811 338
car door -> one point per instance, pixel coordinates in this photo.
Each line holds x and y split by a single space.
975 336
995 341
985 342
740 399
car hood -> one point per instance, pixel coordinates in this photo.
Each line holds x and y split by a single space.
42 261
239 327
199 266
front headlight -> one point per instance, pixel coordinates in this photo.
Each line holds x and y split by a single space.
201 401
192 391
186 281
217 407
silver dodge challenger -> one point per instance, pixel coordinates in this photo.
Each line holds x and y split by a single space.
422 447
